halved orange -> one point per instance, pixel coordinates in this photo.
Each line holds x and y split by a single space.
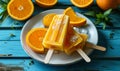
47 19
82 3
74 19
20 9
46 3
34 39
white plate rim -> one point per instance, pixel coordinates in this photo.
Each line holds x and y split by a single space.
32 56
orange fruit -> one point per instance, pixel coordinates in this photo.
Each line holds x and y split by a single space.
82 3
20 9
47 19
34 39
74 19
107 4
46 3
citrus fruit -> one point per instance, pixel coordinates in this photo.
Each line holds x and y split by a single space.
46 3
34 39
107 4
82 3
20 9
47 19
74 19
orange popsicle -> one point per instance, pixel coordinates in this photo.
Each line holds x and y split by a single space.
56 32
55 36
77 43
72 40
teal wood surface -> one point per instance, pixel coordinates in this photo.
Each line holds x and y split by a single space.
12 44
12 54
95 65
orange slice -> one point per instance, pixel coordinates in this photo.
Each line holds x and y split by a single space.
47 19
34 39
74 19
20 9
46 3
82 3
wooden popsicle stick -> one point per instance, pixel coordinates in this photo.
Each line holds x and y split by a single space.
48 56
83 54
91 45
53 38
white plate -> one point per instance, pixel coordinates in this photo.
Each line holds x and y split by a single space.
61 58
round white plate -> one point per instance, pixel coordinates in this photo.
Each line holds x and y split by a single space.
60 58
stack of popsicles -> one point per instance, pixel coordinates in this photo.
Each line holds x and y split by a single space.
55 36
61 36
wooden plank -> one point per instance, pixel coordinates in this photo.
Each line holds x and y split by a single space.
104 35
95 65
9 35
13 48
64 2
60 2
107 38
9 22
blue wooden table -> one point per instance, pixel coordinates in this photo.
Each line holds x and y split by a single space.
14 57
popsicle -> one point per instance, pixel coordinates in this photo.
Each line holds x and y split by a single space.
77 43
55 36
70 48
91 45
71 41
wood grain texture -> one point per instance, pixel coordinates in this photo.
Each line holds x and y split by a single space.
9 22
107 38
95 65
12 53
12 47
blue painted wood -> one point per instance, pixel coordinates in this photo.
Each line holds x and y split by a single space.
105 34
101 61
12 47
9 22
7 35
12 44
95 65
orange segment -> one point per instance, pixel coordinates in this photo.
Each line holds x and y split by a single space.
46 3
34 39
82 3
74 19
47 19
20 9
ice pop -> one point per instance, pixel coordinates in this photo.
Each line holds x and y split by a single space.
72 40
55 36
77 43
56 32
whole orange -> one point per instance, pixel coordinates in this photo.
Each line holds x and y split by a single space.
107 4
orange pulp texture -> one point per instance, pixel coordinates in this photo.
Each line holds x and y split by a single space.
82 3
75 20
46 3
34 39
20 9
